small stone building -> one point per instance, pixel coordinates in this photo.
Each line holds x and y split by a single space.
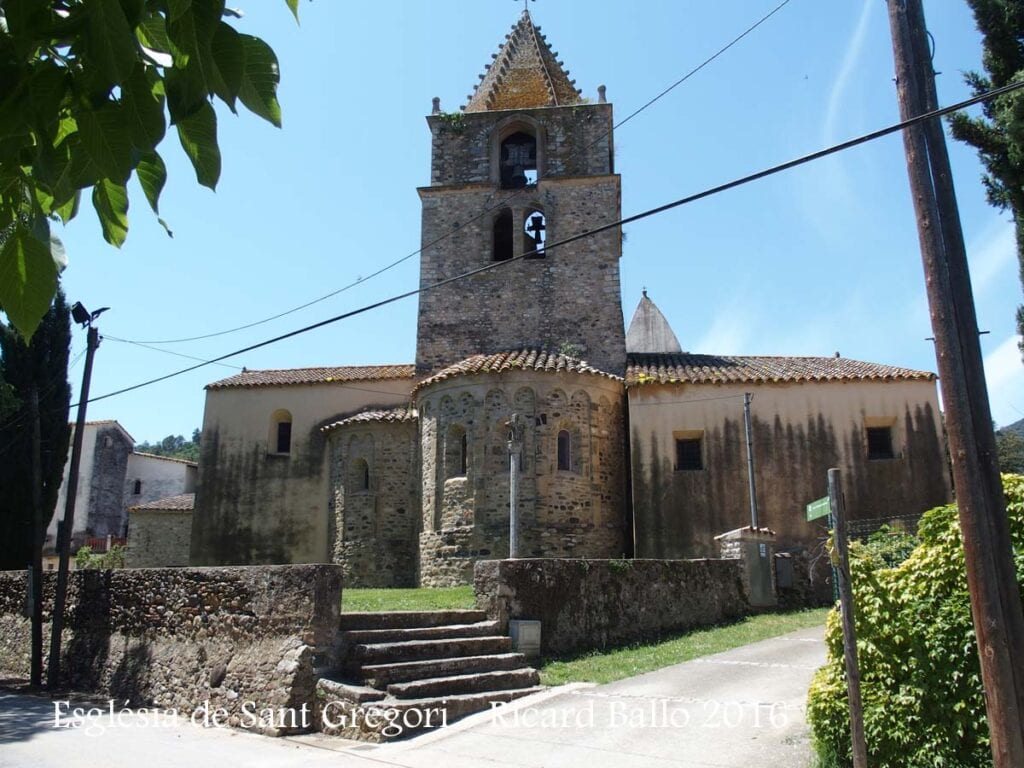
160 532
625 445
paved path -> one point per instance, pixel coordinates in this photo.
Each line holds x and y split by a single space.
739 708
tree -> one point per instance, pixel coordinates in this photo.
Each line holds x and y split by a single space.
87 89
1010 450
173 446
40 366
998 134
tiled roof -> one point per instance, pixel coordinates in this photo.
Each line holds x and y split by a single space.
165 458
183 503
725 369
518 360
378 416
338 375
525 73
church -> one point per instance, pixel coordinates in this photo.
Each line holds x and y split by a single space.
527 386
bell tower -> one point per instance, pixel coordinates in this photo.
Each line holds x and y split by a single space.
525 163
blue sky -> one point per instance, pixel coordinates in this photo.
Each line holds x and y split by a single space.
820 259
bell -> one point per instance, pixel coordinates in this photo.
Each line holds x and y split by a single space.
518 177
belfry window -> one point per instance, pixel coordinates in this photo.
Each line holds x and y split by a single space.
503 240
518 159
535 234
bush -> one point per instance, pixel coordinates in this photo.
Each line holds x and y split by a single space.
920 676
890 546
86 559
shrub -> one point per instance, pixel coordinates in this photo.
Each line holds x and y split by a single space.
920 676
890 546
86 559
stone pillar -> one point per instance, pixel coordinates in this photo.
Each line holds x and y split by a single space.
756 548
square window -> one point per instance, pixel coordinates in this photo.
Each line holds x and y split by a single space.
880 443
688 454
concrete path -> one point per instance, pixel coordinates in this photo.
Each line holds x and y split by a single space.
739 708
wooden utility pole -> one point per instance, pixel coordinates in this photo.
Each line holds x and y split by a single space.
995 600
747 397
38 532
838 515
67 526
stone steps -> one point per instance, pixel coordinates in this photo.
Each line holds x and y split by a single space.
476 682
410 671
419 650
408 619
404 634
383 675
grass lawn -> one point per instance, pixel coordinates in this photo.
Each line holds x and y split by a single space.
606 666
442 598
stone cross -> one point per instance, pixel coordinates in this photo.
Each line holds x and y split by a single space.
535 228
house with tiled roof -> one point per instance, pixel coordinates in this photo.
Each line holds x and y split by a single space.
528 391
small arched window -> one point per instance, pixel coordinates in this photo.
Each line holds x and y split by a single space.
565 450
503 239
518 159
280 438
456 452
534 233
360 475
137 488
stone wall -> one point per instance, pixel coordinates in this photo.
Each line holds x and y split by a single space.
107 514
563 513
158 538
178 638
374 503
572 295
584 604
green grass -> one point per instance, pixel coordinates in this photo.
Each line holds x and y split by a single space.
606 666
442 598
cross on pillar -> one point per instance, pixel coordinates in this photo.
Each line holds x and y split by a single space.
536 228
526 5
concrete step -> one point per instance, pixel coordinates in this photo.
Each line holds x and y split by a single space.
399 635
363 654
407 619
383 675
478 682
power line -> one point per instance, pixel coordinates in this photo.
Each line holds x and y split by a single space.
864 138
488 209
166 351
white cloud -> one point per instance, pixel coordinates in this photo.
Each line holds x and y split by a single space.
991 253
1004 374
846 70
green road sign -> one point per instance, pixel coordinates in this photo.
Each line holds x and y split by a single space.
819 508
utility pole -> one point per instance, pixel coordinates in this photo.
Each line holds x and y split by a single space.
85 318
747 397
995 601
515 448
36 570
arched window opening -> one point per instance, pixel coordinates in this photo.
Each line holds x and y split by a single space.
503 239
280 438
456 453
360 475
565 450
518 158
535 234
137 488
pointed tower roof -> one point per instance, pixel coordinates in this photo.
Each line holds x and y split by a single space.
649 331
525 74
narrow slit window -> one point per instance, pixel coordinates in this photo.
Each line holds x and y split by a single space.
503 240
565 450
280 437
137 488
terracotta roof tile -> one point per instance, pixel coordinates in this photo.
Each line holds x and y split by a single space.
336 375
183 503
165 458
525 73
376 416
725 369
518 360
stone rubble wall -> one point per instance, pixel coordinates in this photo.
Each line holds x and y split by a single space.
158 538
178 638
584 604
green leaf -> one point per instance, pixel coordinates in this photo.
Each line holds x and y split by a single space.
110 200
229 63
144 110
178 7
111 42
69 209
294 5
152 176
28 280
107 141
198 134
191 34
259 80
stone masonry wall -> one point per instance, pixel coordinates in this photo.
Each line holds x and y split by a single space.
572 296
178 638
585 604
563 513
158 538
375 527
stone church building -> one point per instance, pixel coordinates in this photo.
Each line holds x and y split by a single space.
626 445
